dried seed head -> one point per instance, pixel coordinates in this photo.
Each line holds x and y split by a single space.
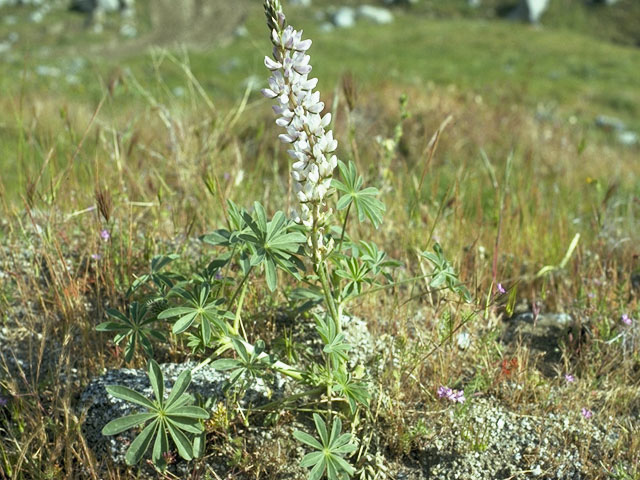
350 90
105 205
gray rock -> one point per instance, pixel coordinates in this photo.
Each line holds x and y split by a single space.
90 6
491 441
47 71
101 408
400 2
529 10
373 14
628 138
543 334
610 123
344 17
327 27
128 31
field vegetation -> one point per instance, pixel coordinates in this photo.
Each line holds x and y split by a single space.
480 136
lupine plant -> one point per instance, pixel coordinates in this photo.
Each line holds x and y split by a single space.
312 246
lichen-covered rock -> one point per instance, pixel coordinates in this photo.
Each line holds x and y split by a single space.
530 10
101 407
373 14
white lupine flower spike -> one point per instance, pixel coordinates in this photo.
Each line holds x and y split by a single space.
299 112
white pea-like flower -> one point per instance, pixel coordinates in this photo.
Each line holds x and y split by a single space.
299 109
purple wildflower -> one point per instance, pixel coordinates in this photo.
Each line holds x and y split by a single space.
586 413
96 256
456 396
105 235
3 402
444 392
501 289
569 378
626 319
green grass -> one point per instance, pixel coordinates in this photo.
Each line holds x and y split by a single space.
558 72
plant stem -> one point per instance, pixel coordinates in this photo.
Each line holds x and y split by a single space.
290 398
280 367
344 227
237 320
235 294
319 265
326 288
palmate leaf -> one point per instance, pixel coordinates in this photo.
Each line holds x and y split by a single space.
136 327
199 309
444 273
354 392
274 243
173 418
161 280
364 200
329 451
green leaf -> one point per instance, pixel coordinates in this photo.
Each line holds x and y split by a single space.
364 200
190 425
174 312
111 327
189 412
156 380
119 315
182 442
125 423
129 395
160 261
199 445
160 446
270 271
184 322
181 385
336 428
310 459
307 439
321 427
318 470
224 364
134 327
343 464
140 444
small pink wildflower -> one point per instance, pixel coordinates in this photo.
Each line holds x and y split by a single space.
96 256
626 319
456 396
569 378
586 413
501 289
105 235
444 392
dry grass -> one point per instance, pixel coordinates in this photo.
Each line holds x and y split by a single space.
156 175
